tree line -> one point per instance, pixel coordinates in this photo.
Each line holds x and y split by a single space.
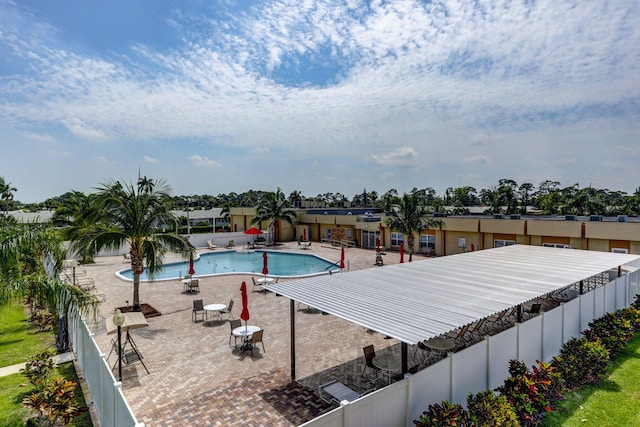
507 196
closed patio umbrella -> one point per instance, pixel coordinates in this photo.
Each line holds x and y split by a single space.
244 315
304 234
192 271
342 259
377 244
401 253
265 269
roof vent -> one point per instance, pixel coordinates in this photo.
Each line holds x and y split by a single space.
497 216
570 218
622 218
595 218
515 216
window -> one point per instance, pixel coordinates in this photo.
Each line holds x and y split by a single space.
397 239
427 242
500 243
556 245
619 251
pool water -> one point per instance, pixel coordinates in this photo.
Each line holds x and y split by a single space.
281 264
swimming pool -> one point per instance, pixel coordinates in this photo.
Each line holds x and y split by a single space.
281 264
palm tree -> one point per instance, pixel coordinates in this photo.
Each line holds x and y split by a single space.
77 214
6 195
31 257
135 216
274 208
410 217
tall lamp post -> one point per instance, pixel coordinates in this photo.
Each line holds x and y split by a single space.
118 320
74 264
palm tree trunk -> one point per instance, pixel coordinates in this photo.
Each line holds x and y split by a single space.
410 241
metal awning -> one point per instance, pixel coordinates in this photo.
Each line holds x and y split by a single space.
416 301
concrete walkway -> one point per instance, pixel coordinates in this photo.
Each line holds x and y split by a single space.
58 359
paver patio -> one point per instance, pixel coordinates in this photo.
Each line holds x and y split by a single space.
197 378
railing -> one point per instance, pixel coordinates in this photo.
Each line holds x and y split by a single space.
485 365
105 392
337 243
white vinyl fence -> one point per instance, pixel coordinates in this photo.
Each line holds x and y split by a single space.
484 365
105 392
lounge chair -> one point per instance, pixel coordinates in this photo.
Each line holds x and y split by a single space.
126 258
210 245
229 245
336 392
533 310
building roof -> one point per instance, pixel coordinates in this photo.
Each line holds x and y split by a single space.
416 301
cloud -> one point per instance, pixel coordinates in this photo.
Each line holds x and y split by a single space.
403 156
40 137
62 154
148 159
204 161
84 130
101 159
259 150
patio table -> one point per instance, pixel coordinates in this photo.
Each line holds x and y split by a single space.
388 364
246 332
215 309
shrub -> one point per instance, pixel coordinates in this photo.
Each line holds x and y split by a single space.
54 402
613 330
445 414
38 367
581 362
487 409
525 392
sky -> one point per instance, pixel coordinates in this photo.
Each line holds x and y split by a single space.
225 96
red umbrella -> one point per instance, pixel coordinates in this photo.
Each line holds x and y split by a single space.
253 231
304 234
191 269
401 253
342 259
244 315
377 244
265 270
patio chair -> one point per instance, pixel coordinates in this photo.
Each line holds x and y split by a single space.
379 260
234 324
533 310
194 285
198 307
126 258
229 245
458 335
255 339
228 310
369 354
210 245
256 286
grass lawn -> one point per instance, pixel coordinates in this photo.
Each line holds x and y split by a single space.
18 337
614 402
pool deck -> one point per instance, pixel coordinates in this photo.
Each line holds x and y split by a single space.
196 378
